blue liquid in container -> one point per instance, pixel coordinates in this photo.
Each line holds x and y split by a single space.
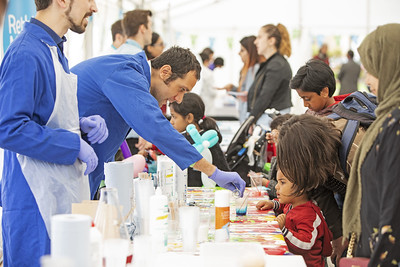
241 212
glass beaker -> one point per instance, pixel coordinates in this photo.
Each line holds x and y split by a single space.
111 224
109 218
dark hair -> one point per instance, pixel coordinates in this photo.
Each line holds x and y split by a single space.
133 19
313 77
350 53
207 51
277 122
192 103
219 61
181 61
116 28
307 151
42 4
248 44
154 37
281 35
204 56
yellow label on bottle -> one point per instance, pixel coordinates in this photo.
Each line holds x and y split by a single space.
221 217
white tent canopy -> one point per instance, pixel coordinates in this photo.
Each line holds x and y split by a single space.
220 24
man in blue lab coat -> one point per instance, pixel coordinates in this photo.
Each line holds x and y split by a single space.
127 94
44 155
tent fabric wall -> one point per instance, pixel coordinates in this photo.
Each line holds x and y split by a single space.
198 24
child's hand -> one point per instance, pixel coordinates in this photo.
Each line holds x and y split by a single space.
264 205
281 219
269 137
143 144
265 182
272 137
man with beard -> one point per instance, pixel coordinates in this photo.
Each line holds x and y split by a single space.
128 93
40 131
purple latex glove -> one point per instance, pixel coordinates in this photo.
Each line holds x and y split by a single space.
87 155
96 128
229 180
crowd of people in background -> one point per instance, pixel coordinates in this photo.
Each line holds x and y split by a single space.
121 95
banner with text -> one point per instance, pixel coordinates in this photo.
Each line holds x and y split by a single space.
18 11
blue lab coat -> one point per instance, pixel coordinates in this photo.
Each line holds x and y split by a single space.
27 95
117 87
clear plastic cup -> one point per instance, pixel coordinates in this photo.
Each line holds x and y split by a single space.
51 261
189 218
256 184
204 224
115 252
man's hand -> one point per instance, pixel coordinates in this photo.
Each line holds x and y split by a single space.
87 155
95 127
229 180
338 247
227 87
243 97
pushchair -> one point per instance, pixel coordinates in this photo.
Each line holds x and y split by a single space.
245 153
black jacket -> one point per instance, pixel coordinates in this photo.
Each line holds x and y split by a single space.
270 88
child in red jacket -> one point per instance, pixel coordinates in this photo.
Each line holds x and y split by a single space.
306 157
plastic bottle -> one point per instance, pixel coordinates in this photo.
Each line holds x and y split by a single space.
222 215
181 179
159 221
222 211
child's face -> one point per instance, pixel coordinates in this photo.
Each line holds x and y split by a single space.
178 121
284 189
312 100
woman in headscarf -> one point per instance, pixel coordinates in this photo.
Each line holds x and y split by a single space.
373 192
